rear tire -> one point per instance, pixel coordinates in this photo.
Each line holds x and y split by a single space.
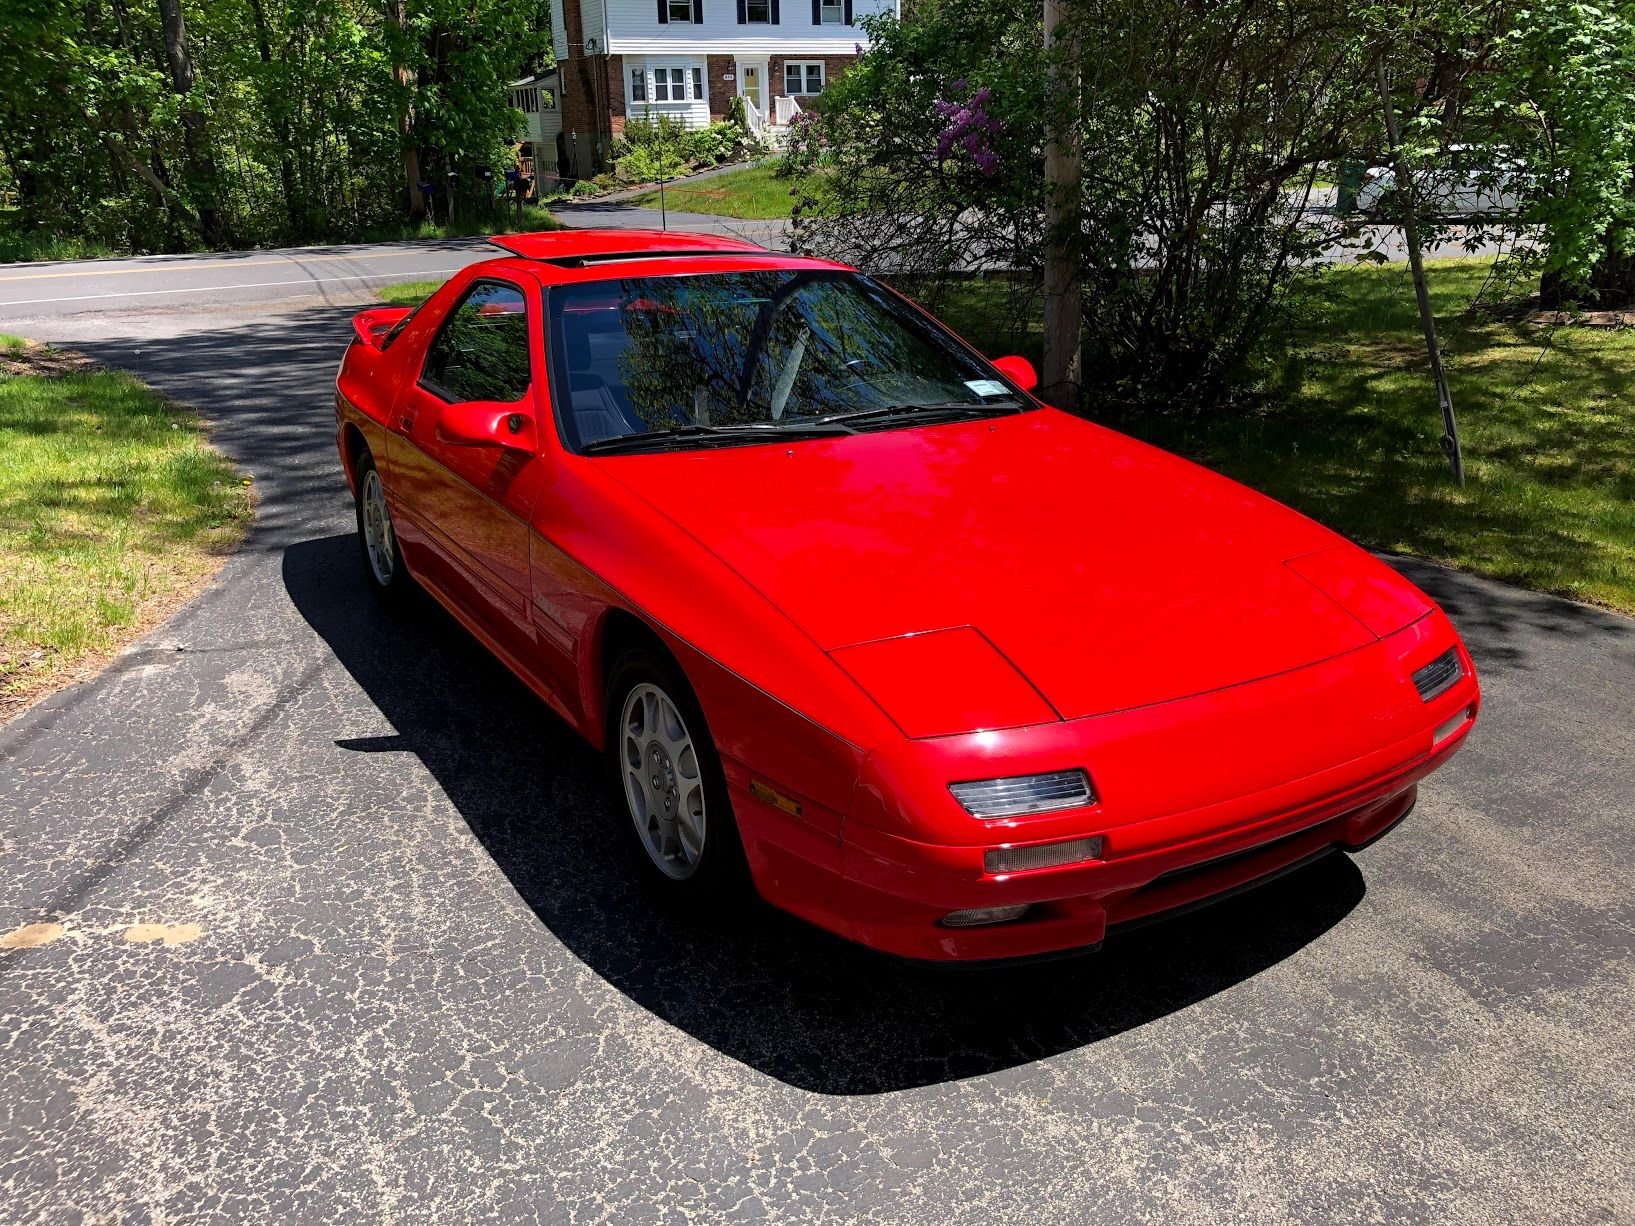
670 782
377 538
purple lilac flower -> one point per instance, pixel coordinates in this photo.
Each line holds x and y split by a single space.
969 127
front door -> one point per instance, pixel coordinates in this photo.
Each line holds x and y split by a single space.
752 85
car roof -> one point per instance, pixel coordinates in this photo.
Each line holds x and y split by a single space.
574 255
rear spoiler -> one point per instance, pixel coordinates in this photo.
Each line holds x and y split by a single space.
614 257
373 325
577 248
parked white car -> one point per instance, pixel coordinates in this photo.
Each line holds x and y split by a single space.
1456 189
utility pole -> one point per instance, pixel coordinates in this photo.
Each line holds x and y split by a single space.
1410 236
1062 378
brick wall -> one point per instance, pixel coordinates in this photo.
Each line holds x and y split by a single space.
617 80
833 66
720 92
584 101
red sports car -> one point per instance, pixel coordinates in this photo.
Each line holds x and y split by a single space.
943 670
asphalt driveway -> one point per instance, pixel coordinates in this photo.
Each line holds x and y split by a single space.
344 930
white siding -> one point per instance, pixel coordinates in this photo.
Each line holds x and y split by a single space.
559 29
542 122
550 123
635 29
594 23
692 111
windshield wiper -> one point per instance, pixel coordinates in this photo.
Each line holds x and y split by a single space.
947 408
657 440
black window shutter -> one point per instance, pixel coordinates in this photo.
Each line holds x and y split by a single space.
848 12
817 12
664 12
698 12
743 17
774 12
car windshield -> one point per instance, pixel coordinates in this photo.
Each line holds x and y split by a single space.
659 363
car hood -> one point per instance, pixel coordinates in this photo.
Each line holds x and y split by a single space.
1106 573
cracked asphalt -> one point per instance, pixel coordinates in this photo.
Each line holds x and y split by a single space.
311 914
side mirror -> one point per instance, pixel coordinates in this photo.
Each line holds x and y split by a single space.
372 326
488 423
1019 371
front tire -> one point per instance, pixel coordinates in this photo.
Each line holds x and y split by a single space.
377 538
670 780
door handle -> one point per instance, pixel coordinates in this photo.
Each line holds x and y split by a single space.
405 422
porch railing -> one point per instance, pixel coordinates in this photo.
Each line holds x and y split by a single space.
786 109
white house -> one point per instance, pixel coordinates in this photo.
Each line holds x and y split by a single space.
632 59
537 98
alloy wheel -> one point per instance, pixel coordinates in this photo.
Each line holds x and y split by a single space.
378 541
663 784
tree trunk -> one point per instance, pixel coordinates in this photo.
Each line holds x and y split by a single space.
1427 320
194 136
1062 379
1611 286
281 127
405 112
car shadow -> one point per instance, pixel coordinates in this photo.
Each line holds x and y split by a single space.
756 985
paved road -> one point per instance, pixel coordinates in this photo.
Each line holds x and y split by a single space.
317 276
345 273
298 276
399 971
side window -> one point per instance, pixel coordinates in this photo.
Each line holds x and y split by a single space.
481 351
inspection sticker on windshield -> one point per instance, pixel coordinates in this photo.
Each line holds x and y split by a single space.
987 387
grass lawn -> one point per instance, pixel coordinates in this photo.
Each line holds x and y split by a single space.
113 510
503 220
1349 430
754 193
407 293
17 245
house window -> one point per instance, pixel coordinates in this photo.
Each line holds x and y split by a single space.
698 83
669 85
801 79
638 85
680 10
525 100
758 12
834 14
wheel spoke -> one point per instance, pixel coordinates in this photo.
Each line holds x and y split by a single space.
690 824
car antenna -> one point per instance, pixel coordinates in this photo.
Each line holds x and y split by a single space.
664 215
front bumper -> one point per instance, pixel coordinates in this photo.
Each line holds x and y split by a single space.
1167 844
1074 907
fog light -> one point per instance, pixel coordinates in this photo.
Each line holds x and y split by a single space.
1042 855
977 916
1452 726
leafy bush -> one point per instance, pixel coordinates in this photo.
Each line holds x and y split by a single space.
664 147
647 164
1200 129
720 142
